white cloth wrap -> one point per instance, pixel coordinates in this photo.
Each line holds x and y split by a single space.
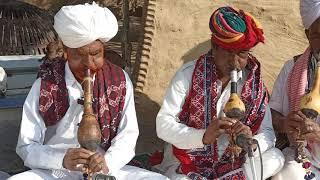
310 12
80 25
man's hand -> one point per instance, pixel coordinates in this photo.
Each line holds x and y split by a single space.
311 130
239 128
297 122
215 129
75 157
293 122
97 163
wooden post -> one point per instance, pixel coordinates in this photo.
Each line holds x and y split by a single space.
125 44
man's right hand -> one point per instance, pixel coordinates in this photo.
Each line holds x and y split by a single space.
294 122
216 128
75 157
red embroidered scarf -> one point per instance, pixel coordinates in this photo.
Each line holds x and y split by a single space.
199 108
109 92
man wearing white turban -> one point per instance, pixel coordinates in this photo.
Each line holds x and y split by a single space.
48 141
296 79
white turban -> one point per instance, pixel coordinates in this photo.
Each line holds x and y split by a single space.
80 25
310 11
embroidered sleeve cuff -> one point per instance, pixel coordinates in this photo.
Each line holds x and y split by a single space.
57 159
46 158
112 169
116 161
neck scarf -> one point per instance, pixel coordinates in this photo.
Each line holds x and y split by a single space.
201 107
109 92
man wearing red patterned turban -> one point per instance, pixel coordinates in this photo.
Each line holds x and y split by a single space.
192 120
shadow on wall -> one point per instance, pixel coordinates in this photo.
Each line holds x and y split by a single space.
147 111
195 52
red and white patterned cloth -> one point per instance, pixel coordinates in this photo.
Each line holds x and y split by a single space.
200 107
109 90
297 81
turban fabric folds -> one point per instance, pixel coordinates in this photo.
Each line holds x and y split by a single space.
80 25
310 12
235 29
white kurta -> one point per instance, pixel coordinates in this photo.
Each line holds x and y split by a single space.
43 148
184 137
279 102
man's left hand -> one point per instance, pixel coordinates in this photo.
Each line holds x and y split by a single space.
97 163
239 128
311 130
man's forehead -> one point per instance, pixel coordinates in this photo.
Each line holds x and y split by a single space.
96 45
236 50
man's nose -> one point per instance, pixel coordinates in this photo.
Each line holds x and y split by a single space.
235 62
88 62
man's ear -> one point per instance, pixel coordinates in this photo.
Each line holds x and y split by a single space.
214 46
306 31
65 54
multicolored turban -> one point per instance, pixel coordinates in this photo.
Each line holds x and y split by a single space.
235 29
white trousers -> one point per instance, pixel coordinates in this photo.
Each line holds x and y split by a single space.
273 161
293 170
125 173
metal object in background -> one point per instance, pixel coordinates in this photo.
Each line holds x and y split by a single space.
21 73
3 82
25 29
103 177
